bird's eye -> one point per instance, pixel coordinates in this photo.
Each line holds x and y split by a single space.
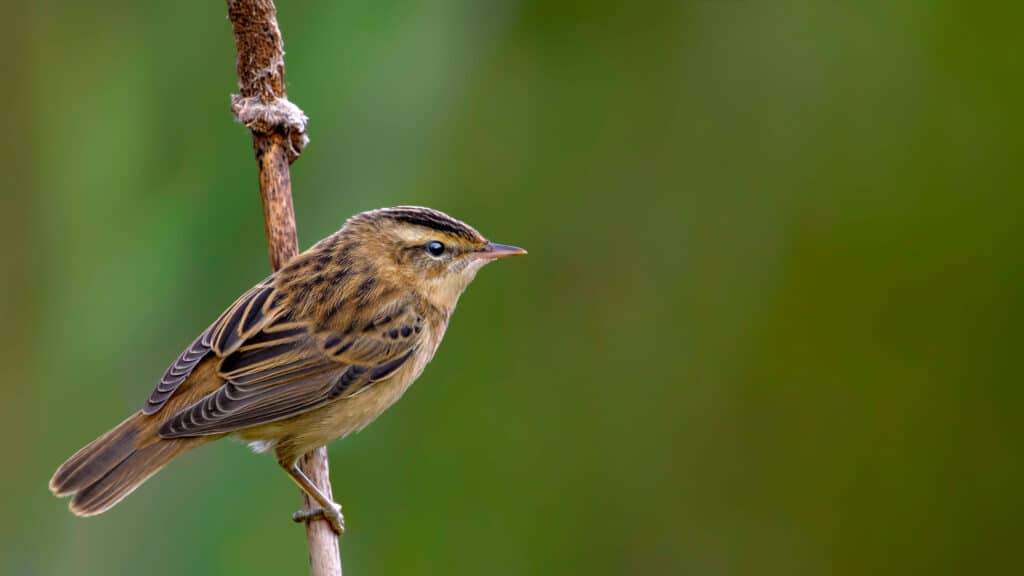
435 248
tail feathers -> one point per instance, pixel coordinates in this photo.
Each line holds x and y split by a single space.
124 478
97 458
112 466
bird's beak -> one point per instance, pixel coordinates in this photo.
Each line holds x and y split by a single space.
494 251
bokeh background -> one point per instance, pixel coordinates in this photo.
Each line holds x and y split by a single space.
769 323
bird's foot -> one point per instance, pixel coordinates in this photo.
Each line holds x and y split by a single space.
332 514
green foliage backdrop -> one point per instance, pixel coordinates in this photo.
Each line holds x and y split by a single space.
769 323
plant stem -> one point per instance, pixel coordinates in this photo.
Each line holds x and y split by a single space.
278 136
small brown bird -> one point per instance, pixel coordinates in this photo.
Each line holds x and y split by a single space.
315 351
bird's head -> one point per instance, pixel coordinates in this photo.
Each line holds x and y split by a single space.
423 249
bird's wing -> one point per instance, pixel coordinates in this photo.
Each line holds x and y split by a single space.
287 367
249 314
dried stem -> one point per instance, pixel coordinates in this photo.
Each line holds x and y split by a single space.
278 136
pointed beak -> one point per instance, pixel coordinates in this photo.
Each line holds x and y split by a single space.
494 251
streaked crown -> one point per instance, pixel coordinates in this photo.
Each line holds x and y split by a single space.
420 216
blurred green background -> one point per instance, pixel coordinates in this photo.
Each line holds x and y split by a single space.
769 323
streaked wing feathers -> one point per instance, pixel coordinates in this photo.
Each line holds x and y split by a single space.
233 406
177 373
285 368
247 316
393 331
242 319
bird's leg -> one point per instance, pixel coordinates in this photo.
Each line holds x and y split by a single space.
328 510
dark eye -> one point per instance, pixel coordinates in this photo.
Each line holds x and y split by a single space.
435 248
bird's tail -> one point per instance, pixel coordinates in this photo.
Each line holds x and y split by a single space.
112 466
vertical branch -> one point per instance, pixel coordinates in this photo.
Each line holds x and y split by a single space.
278 135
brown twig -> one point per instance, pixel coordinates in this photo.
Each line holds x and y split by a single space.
278 136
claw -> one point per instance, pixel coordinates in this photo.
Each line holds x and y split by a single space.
333 516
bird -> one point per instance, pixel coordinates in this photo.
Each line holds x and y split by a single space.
312 353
